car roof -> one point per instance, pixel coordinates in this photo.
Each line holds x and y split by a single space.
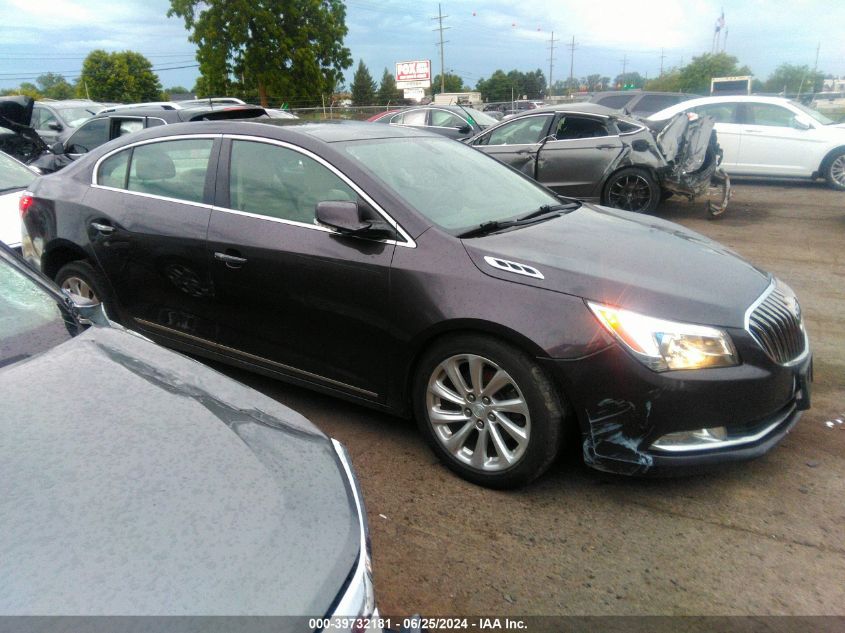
691 103
67 103
582 107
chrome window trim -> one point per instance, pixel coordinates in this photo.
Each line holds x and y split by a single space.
254 357
589 138
747 326
407 242
96 170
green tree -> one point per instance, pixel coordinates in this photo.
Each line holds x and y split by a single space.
515 84
29 89
629 80
792 79
695 77
54 86
363 86
291 49
126 76
669 81
452 83
595 82
387 90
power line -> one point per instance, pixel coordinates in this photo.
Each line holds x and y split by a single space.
441 28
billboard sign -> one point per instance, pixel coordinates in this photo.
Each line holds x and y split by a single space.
415 74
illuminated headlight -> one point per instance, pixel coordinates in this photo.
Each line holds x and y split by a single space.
663 345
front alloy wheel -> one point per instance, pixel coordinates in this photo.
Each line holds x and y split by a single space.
836 172
478 412
488 410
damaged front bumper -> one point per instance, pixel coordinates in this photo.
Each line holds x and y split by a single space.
623 409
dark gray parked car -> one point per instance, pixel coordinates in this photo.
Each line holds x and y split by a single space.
56 120
593 153
639 102
136 481
411 273
458 122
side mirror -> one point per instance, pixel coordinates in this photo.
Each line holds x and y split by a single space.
466 129
87 311
57 148
800 124
57 127
348 218
640 145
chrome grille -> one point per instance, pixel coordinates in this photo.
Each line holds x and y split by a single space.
776 325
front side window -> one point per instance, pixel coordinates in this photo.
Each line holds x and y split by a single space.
413 117
42 118
525 131
281 183
173 169
769 115
443 118
90 135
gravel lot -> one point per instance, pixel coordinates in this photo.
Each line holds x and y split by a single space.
766 537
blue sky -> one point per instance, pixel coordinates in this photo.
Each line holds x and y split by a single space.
38 36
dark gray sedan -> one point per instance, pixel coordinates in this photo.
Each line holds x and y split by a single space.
138 482
458 122
591 152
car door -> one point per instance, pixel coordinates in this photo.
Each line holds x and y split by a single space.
294 296
774 144
148 214
574 160
46 124
448 124
728 131
517 142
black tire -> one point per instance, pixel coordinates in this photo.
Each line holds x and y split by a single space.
834 171
632 189
83 271
528 385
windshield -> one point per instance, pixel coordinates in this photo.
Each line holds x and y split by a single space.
451 184
13 175
74 117
483 120
31 320
818 116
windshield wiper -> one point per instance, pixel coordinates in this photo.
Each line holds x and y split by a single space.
538 215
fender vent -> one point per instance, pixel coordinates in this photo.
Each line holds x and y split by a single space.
513 267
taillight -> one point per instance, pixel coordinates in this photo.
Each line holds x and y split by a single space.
25 203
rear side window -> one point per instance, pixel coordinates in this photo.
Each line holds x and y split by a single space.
173 169
443 118
577 127
616 102
112 171
721 112
654 103
414 117
278 182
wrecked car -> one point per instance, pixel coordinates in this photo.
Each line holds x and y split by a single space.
361 261
108 124
167 488
593 153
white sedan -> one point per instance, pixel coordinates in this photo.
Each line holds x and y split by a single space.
772 136
14 178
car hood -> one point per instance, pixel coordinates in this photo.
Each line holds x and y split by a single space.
634 261
139 482
17 109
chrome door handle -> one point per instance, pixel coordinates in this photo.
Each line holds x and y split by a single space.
232 261
105 229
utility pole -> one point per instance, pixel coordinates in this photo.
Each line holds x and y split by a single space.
662 57
816 65
441 28
551 59
571 64
624 65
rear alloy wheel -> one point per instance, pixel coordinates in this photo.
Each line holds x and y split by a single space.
835 172
488 411
81 280
632 189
